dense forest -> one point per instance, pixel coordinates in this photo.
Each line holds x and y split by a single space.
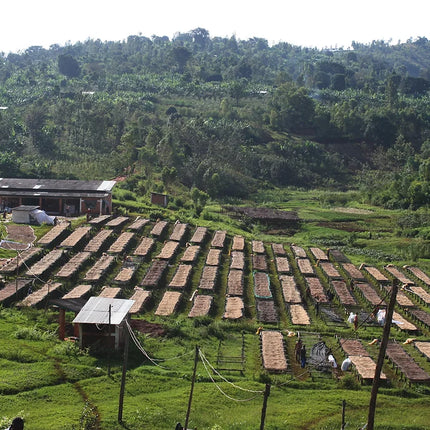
221 116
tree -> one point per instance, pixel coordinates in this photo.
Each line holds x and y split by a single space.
181 56
292 108
68 66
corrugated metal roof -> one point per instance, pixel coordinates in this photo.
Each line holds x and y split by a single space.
96 311
56 185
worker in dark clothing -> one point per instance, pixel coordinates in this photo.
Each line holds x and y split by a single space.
303 357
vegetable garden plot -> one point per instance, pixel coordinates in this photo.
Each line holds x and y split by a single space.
118 222
272 351
159 228
201 306
181 277
121 243
100 268
343 294
353 273
369 293
420 315
299 315
319 254
235 283
208 278
46 263
191 253
218 241
258 247
233 308
168 303
289 289
97 242
237 260
140 297
421 293
417 272
278 249
43 293
110 292
76 237
238 243
424 348
266 311
402 299
100 220
298 251
78 292
403 324
403 279
126 273
376 274
199 235
305 267
259 262
405 363
53 235
73 265
138 224
316 290
329 271
282 265
23 258
145 247
178 232
168 251
154 274
14 289
262 285
213 258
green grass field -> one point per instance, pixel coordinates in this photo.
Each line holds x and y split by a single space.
54 385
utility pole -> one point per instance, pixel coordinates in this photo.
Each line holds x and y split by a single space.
124 373
383 348
263 409
196 359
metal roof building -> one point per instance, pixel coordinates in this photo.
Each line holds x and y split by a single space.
58 197
103 319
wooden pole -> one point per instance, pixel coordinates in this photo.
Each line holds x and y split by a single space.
196 359
109 336
263 409
343 414
380 362
124 373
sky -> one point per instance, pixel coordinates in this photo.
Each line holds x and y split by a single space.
311 23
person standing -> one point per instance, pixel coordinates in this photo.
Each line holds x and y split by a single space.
303 357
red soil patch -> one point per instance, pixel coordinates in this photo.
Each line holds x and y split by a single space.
146 327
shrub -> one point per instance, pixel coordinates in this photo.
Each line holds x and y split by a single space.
349 382
32 333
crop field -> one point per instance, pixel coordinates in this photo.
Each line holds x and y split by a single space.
54 384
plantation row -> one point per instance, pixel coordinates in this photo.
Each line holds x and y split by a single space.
172 269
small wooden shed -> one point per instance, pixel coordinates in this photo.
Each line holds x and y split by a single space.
103 320
23 214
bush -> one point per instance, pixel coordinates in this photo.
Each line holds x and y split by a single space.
32 333
349 382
